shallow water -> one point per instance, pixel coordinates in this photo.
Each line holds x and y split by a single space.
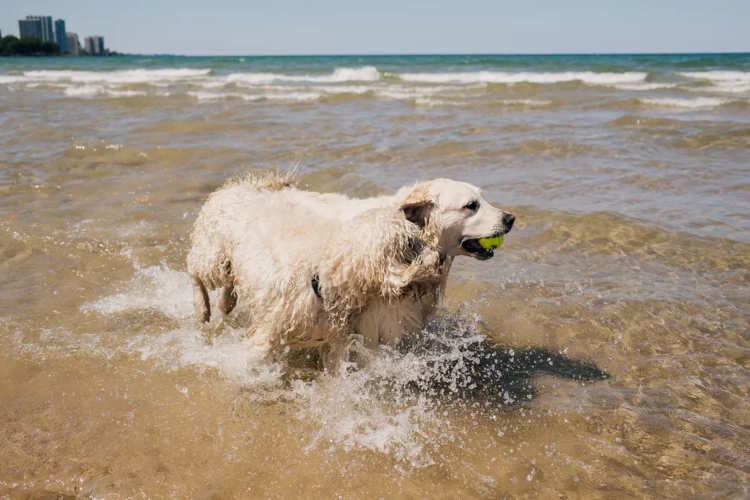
630 179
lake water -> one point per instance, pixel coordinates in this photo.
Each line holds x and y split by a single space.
630 180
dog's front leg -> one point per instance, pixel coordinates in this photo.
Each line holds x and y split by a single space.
228 299
332 355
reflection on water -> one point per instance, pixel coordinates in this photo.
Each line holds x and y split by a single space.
602 353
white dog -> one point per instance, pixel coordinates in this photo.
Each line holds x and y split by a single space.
303 278
451 217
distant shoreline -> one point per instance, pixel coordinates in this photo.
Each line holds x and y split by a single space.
456 55
470 54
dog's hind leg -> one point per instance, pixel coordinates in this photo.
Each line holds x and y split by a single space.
228 299
201 303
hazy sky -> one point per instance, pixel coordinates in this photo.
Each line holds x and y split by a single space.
234 27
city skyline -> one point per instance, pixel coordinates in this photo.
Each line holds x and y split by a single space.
41 28
290 27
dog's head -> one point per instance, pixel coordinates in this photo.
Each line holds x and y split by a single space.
454 216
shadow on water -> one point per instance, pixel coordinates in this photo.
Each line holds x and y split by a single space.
481 370
450 361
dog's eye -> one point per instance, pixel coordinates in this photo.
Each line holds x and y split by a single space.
472 205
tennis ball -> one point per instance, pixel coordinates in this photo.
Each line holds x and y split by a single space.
491 243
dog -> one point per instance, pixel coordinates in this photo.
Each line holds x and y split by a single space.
304 279
453 217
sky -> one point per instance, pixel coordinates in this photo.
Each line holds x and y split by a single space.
279 27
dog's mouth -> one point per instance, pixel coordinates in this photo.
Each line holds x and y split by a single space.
476 250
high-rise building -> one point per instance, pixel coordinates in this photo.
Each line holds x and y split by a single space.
46 33
30 28
71 40
95 45
60 37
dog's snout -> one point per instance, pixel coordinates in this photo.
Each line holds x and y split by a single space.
508 220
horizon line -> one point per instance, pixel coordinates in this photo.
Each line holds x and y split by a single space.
455 54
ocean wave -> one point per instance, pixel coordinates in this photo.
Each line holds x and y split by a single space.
328 89
526 102
429 102
425 93
6 79
518 103
696 103
285 96
718 76
82 91
214 96
94 90
645 86
339 75
116 77
587 77
721 81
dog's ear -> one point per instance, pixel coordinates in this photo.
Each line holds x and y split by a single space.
417 205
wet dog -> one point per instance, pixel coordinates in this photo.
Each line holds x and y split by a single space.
305 280
452 216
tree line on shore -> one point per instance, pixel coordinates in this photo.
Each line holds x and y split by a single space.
28 46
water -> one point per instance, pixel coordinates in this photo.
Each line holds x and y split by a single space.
630 179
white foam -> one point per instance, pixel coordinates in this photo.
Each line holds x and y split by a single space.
588 77
5 79
86 91
402 92
153 287
700 102
718 76
124 93
292 96
93 90
345 89
427 101
213 96
210 84
526 102
350 417
733 82
430 102
643 86
364 74
254 78
118 77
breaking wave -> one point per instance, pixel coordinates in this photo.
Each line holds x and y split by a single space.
695 103
587 77
722 81
364 74
119 76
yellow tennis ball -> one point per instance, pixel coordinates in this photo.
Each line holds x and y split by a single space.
491 243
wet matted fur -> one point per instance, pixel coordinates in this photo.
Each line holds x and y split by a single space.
452 215
304 279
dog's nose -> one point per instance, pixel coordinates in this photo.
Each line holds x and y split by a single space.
508 220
